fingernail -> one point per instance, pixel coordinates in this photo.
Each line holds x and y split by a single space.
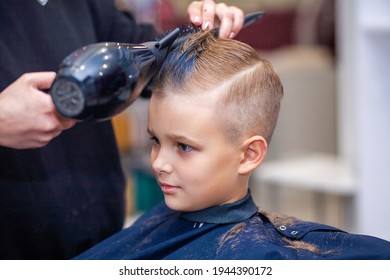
231 36
206 25
197 19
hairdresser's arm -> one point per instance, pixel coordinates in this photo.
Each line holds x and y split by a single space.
28 118
209 14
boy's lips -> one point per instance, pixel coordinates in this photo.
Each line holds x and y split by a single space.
168 189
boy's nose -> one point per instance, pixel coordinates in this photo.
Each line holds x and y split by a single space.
160 163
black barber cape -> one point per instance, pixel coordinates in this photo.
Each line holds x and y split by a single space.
57 201
233 231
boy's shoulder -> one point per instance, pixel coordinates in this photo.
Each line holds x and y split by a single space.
326 241
294 228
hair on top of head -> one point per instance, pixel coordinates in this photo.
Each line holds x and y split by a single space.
249 89
192 59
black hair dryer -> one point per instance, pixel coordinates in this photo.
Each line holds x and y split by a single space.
99 81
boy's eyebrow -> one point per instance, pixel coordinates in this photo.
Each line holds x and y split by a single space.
181 138
194 142
178 138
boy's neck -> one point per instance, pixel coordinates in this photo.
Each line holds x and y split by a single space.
226 213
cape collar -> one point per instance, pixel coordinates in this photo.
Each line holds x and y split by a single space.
224 214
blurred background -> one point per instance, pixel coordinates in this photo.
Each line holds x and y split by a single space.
329 159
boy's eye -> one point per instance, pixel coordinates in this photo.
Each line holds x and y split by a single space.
154 140
185 148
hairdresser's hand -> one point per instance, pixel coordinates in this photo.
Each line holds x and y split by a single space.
28 118
207 13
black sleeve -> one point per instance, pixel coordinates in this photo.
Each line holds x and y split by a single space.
113 25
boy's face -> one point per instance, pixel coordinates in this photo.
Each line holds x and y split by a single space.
193 163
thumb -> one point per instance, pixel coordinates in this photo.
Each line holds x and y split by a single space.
42 80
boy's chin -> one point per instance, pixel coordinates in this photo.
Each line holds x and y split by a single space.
177 206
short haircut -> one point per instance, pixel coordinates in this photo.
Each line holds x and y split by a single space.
248 87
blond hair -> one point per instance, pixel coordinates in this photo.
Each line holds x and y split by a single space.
248 87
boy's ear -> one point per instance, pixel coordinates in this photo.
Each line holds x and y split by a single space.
253 150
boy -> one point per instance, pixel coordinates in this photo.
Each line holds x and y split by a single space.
211 117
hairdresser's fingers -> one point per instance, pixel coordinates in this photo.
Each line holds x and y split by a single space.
226 17
202 13
40 80
194 11
208 14
231 18
65 122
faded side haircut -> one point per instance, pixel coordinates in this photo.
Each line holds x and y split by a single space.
249 89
